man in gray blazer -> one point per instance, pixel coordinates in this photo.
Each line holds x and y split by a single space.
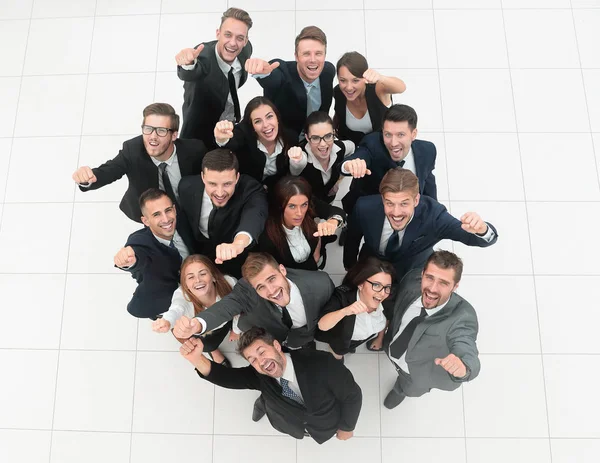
431 339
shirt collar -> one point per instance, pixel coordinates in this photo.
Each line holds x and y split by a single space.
278 148
435 310
317 163
168 161
162 240
293 232
226 67
315 83
290 373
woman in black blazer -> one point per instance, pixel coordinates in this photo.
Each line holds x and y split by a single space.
291 233
361 97
354 314
259 141
319 157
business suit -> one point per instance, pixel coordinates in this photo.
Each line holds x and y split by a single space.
430 224
133 160
252 160
156 271
245 211
285 89
205 93
332 399
378 160
451 330
315 288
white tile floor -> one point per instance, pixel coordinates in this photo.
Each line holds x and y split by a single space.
509 90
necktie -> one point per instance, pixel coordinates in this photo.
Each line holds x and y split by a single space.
400 163
286 391
393 243
234 95
166 183
211 220
286 317
309 100
172 245
399 346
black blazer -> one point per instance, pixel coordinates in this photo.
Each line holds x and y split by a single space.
315 288
430 224
332 399
245 211
205 92
133 160
284 257
374 105
377 157
156 271
252 160
285 89
313 175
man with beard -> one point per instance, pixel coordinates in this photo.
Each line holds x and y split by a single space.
401 226
153 255
225 210
286 302
298 87
431 339
306 392
155 159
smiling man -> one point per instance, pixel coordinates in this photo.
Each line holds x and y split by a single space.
401 226
431 339
213 72
153 255
306 392
298 87
155 159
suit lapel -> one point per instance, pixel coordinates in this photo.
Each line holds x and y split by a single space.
422 327
303 378
298 86
308 299
375 226
419 166
185 161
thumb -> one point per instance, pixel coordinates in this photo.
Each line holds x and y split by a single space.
315 234
275 65
438 361
198 50
367 172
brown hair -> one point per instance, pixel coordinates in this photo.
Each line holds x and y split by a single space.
221 284
255 103
151 194
220 160
310 33
446 259
254 334
282 193
355 62
401 113
162 109
256 262
399 180
239 14
365 269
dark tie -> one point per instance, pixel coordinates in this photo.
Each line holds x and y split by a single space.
172 245
211 220
234 95
162 167
399 346
400 163
286 391
393 243
286 318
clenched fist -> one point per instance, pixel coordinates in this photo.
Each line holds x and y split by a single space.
356 307
188 55
295 154
259 66
357 168
223 131
161 325
472 223
453 365
186 327
84 175
125 257
371 76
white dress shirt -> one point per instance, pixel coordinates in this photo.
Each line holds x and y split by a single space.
299 246
207 207
177 242
290 375
270 159
413 311
173 172
296 306
368 324
296 168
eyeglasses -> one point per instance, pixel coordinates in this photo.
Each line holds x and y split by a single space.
315 139
378 287
160 131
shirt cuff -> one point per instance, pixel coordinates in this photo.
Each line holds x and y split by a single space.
189 67
221 145
489 235
202 325
350 147
244 233
85 185
261 76
343 168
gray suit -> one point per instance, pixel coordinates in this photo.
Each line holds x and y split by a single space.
451 330
315 288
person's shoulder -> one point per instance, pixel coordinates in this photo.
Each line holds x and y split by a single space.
311 357
424 146
143 236
192 181
135 146
368 202
371 140
190 144
329 69
248 184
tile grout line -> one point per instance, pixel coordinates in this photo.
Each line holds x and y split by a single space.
69 242
537 311
135 359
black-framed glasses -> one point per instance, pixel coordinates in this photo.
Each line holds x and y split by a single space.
378 287
315 139
160 131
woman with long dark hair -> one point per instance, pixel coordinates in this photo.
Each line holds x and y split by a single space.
202 284
259 141
292 235
354 315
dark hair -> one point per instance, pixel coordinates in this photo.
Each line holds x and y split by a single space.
239 14
312 33
446 259
365 269
162 109
220 160
256 262
255 103
151 194
221 284
253 334
401 113
355 62
283 191
317 117
399 180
